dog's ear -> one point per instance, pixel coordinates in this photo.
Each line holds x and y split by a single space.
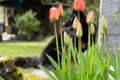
69 22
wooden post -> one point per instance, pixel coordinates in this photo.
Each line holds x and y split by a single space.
100 23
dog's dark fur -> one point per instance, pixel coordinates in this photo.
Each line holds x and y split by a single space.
51 47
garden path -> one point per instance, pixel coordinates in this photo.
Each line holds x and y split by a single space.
39 72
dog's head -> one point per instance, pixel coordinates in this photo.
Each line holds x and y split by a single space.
69 22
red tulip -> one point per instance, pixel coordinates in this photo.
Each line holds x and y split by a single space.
53 14
79 5
60 9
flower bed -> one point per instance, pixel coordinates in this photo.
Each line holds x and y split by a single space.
9 72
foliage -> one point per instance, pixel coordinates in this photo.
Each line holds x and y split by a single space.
67 14
94 66
63 1
117 16
90 65
26 24
1 13
1 78
93 5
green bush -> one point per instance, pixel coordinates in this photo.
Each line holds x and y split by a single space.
26 24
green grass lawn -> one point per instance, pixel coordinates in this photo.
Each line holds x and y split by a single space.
13 49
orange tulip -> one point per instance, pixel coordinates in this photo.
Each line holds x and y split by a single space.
79 5
60 9
53 14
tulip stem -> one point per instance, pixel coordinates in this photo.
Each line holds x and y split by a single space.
61 33
79 51
92 39
79 16
79 45
56 35
108 55
89 36
102 46
80 39
80 56
75 38
61 37
107 41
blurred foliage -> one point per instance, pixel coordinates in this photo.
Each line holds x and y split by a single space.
26 24
93 5
67 13
117 16
8 29
1 12
64 1
1 78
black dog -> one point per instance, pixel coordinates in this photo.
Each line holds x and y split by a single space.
51 47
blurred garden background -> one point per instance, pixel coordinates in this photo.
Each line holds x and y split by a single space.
25 28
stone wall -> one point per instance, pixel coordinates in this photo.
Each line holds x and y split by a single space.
109 9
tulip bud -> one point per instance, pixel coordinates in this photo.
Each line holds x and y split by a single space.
104 23
90 17
75 23
66 38
79 31
53 14
79 5
92 29
60 9
102 32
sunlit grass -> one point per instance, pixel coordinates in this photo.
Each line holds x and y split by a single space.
13 49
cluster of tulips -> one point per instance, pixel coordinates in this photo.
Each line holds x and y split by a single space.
94 63
79 5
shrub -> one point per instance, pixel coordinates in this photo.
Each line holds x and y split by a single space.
26 24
